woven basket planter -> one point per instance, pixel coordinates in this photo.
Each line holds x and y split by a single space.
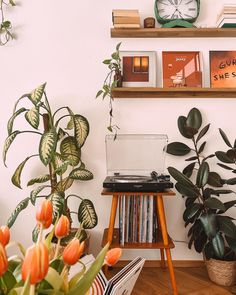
221 272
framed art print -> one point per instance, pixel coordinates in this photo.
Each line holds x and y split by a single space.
223 69
138 68
182 69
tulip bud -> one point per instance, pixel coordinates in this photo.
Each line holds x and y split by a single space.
4 235
44 214
62 227
73 251
35 264
3 260
113 256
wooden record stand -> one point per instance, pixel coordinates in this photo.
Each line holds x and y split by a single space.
164 242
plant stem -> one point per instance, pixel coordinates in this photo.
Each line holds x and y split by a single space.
57 122
57 248
59 110
74 196
32 290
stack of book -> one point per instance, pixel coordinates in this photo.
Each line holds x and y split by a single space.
137 219
227 17
126 19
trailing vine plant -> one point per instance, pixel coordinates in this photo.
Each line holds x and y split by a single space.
5 26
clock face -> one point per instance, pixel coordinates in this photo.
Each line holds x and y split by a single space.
177 9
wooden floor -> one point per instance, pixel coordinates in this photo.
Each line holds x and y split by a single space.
190 281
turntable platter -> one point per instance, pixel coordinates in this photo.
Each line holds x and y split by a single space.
131 179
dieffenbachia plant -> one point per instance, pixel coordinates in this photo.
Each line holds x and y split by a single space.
212 231
60 140
5 25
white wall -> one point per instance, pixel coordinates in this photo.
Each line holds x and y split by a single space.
64 44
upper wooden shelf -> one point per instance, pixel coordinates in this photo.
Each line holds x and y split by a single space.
151 92
173 33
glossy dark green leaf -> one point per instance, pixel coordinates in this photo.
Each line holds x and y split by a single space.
232 243
231 154
218 245
206 193
201 149
187 191
214 203
209 250
222 156
190 243
200 242
225 166
191 159
9 280
229 205
178 149
189 201
225 138
214 179
191 211
188 170
209 157
202 175
203 132
219 192
231 181
180 177
209 223
182 127
194 119
227 226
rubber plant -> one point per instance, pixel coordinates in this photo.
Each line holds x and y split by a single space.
5 25
211 230
112 80
61 138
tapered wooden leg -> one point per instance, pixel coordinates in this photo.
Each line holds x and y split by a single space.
162 219
163 264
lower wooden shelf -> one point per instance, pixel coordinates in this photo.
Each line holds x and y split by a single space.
116 243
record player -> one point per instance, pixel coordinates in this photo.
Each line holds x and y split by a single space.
136 162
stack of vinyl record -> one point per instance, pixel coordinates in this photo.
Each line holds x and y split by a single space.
126 19
227 17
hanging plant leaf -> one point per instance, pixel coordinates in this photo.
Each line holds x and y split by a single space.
182 127
218 245
70 151
222 156
11 120
87 214
8 143
34 193
40 179
225 138
16 178
81 129
225 166
65 184
61 133
177 149
213 203
47 146
203 132
227 226
180 177
187 191
209 223
202 175
21 206
188 170
191 211
36 95
32 117
194 119
57 200
201 149
81 174
214 179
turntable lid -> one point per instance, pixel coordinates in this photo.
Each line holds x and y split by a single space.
136 154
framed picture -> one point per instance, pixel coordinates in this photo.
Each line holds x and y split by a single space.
182 69
223 69
138 68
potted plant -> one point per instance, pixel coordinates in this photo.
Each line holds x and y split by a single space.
113 79
60 141
211 231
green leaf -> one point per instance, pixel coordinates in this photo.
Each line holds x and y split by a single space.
222 156
57 200
201 149
70 151
191 211
36 95
8 143
39 179
12 3
32 117
209 223
9 280
180 177
34 193
47 146
202 175
231 181
200 242
61 133
178 149
194 119
218 245
35 234
203 132
213 203
87 214
191 159
225 166
21 206
65 184
54 279
187 191
81 174
182 127
16 178
232 243
11 120
188 170
99 93
225 138
227 226
221 192
118 46
81 129
214 179
229 205
107 61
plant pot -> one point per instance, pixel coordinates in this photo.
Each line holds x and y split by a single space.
221 272
119 78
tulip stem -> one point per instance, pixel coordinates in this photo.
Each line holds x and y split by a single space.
40 236
32 290
57 248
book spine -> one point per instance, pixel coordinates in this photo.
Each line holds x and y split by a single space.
120 218
127 218
140 219
145 220
150 229
123 221
127 26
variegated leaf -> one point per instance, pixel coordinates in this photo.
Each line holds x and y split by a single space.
36 95
81 174
11 120
40 179
61 133
70 124
57 200
34 193
35 233
87 214
8 143
62 167
32 117
16 178
21 206
47 146
70 151
81 129
65 184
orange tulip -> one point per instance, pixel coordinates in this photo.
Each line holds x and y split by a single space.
44 214
113 256
36 263
73 251
4 235
62 227
3 260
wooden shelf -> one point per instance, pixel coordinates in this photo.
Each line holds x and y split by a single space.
115 242
151 92
107 192
174 33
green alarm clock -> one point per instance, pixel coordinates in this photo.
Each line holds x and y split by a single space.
177 13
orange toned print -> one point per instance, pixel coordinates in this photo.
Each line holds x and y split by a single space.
44 214
113 256
73 251
62 227
36 263
3 260
4 235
